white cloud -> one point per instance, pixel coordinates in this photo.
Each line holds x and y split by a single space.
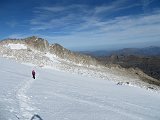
85 26
12 23
145 4
141 29
18 36
52 9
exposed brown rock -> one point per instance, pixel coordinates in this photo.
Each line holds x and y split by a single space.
37 43
72 56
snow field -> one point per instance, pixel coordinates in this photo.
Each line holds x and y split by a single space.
16 46
59 95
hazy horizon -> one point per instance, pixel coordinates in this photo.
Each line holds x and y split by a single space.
95 48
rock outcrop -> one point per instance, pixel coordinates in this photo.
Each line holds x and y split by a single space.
74 57
37 43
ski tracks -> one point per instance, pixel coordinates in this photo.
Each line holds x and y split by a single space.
110 106
26 109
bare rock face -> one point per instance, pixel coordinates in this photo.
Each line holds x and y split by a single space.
14 41
78 58
37 43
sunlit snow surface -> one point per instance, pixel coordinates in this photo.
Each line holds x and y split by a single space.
16 46
52 57
56 95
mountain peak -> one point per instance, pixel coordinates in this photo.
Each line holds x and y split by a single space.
56 45
32 37
42 45
37 43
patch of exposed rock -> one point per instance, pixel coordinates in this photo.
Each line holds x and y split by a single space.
37 43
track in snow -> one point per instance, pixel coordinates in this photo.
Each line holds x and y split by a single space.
24 101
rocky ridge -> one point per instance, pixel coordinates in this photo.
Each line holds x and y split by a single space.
39 44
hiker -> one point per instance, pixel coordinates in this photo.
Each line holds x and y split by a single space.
33 74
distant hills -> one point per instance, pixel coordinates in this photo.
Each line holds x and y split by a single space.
147 51
146 59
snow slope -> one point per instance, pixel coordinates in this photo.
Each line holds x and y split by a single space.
59 95
16 46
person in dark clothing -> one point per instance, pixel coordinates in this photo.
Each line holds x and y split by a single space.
33 74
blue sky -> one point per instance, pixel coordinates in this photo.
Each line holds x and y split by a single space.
83 24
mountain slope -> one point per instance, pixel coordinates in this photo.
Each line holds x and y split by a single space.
61 95
38 44
146 59
40 53
149 65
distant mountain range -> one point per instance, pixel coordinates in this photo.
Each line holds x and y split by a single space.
147 51
147 59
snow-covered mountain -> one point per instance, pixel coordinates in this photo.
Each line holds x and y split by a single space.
37 51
